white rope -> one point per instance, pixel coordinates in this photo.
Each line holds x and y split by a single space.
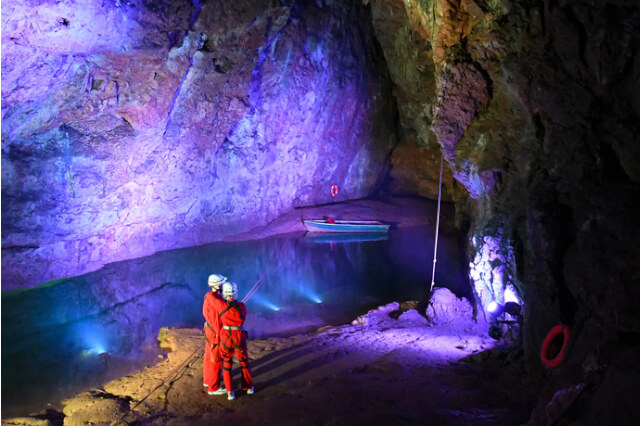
254 288
435 248
259 283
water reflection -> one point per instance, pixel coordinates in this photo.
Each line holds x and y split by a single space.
81 332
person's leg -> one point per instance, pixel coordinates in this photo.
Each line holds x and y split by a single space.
226 354
242 355
207 367
216 369
226 372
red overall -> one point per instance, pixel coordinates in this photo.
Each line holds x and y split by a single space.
233 340
212 363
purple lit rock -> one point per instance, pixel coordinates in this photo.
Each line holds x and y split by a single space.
132 128
445 308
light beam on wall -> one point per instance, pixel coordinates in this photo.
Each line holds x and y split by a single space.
265 303
490 272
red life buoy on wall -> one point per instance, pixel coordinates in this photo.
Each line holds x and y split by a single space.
544 351
334 190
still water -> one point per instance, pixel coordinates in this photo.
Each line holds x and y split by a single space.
71 335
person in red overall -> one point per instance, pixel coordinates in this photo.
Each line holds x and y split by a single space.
212 362
233 338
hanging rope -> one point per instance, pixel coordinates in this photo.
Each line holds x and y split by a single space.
435 248
254 288
259 283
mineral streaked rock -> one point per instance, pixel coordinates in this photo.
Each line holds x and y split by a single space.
169 126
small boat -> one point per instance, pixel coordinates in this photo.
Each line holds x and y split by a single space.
331 225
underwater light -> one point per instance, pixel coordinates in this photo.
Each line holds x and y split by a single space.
493 307
89 334
310 295
94 344
99 349
267 304
96 348
85 353
314 298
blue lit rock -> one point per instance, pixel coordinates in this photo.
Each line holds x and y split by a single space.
132 128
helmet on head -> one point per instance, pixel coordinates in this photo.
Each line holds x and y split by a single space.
230 290
216 280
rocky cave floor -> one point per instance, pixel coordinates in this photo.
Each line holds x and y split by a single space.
389 366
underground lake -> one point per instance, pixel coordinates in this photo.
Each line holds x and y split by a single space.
70 335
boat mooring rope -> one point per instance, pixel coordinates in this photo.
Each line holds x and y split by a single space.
435 248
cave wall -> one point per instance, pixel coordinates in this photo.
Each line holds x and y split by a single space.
167 125
576 229
536 111
403 32
549 156
130 127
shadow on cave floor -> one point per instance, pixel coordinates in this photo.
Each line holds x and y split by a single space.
377 370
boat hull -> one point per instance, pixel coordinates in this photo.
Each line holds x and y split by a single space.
345 226
345 237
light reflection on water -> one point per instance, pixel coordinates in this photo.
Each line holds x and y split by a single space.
82 332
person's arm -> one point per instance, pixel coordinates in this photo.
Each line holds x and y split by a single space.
218 302
205 304
243 309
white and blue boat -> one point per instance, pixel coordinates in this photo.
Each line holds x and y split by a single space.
324 225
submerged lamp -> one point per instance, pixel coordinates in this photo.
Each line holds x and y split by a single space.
266 303
315 299
311 295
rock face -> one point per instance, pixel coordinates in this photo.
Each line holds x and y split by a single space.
133 127
536 113
169 125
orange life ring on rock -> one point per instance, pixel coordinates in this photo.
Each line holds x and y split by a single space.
546 343
334 190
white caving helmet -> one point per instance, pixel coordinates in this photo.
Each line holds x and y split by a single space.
230 290
216 280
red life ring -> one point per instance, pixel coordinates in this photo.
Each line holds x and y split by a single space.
334 190
544 351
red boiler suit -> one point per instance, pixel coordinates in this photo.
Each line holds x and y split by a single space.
212 362
233 340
